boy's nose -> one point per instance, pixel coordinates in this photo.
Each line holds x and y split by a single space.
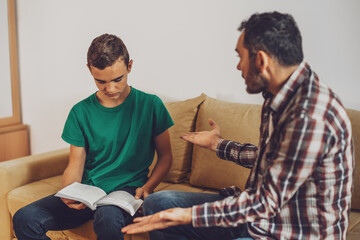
110 87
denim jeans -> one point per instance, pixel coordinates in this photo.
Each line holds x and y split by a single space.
170 199
50 213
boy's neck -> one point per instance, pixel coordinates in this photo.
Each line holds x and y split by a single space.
111 103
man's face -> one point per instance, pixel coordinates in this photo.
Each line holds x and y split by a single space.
255 83
112 81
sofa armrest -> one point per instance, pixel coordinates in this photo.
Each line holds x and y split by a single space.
18 172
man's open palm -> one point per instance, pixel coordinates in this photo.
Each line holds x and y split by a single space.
164 219
205 139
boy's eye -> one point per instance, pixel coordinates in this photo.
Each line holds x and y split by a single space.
117 80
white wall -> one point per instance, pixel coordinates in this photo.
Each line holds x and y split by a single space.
5 89
180 48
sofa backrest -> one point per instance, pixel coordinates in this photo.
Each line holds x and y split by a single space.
238 122
184 115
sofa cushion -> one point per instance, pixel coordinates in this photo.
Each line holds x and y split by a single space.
183 114
184 187
22 196
353 236
355 124
238 122
354 222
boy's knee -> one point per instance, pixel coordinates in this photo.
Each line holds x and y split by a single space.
23 216
108 222
18 220
109 230
25 223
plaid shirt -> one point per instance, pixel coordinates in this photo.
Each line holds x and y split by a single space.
301 179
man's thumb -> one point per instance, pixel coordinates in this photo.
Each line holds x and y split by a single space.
212 123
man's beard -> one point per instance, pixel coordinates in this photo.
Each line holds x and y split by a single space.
255 82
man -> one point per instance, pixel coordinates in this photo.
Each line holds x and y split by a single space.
112 136
301 178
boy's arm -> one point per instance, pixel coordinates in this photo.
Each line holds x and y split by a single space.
163 150
73 173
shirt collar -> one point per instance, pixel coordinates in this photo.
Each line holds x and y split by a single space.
290 86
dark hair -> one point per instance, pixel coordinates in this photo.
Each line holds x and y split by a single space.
105 50
275 33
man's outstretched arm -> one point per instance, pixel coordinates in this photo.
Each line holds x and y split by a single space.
242 154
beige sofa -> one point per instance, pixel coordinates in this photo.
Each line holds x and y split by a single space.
194 169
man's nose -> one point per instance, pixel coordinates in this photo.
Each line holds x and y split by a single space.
238 67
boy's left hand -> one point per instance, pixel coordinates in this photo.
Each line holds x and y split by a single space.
141 193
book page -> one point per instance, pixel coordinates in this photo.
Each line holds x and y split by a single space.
83 193
123 200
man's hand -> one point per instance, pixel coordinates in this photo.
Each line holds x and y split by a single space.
73 204
160 220
141 192
205 139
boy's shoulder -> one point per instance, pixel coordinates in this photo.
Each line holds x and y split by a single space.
144 96
87 102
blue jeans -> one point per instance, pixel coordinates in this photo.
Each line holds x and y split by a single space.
50 213
169 199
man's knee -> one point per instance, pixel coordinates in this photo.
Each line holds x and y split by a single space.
159 201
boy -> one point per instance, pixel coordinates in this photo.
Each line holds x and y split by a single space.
112 135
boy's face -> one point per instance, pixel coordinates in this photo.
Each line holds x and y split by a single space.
112 81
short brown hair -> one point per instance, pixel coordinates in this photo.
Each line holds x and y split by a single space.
105 50
275 33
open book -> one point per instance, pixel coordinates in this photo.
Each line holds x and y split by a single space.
93 197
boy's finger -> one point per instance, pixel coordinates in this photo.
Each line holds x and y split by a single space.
139 193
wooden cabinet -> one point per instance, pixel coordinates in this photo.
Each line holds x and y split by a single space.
14 136
14 142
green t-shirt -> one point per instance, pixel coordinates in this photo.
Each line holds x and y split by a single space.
119 141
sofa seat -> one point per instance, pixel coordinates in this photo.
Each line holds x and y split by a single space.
31 192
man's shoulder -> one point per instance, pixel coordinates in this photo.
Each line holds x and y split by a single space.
318 101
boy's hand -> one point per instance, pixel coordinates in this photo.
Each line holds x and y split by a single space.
141 193
73 204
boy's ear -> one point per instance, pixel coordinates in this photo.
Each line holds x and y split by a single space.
130 65
261 61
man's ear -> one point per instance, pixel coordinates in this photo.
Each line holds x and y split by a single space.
262 61
130 66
